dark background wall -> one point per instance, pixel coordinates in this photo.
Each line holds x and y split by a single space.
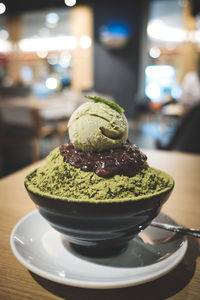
116 71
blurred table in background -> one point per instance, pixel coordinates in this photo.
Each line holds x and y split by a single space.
183 205
25 120
58 106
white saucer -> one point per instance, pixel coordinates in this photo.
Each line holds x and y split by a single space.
43 251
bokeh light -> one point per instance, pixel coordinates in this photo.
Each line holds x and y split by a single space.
154 52
51 83
70 2
85 42
2 8
42 54
52 19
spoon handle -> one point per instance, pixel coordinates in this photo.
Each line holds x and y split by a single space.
174 228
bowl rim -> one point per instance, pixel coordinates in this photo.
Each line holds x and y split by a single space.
106 201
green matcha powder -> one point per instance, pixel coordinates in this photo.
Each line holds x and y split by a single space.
59 180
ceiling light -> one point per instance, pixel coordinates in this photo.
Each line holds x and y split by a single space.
158 30
70 2
58 43
2 8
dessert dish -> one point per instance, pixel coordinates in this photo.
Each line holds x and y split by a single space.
98 189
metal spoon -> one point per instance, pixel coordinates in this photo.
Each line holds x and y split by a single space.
176 228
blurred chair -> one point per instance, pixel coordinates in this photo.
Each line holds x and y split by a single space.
187 136
21 126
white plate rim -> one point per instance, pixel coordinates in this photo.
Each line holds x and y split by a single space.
168 263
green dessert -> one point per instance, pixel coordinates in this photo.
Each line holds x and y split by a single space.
60 180
95 126
98 164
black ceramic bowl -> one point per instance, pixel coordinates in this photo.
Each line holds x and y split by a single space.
100 229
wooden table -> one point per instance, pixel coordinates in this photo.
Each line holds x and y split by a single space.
183 283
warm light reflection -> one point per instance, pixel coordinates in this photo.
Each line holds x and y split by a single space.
85 42
2 8
42 54
70 2
48 44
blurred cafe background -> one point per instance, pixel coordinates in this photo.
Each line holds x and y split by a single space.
145 55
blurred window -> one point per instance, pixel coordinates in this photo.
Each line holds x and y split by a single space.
161 83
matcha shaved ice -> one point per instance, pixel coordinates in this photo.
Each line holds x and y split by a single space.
60 180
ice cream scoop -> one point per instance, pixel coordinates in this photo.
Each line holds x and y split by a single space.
95 126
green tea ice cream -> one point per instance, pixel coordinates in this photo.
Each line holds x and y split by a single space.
95 126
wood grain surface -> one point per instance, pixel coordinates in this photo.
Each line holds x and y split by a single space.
17 283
